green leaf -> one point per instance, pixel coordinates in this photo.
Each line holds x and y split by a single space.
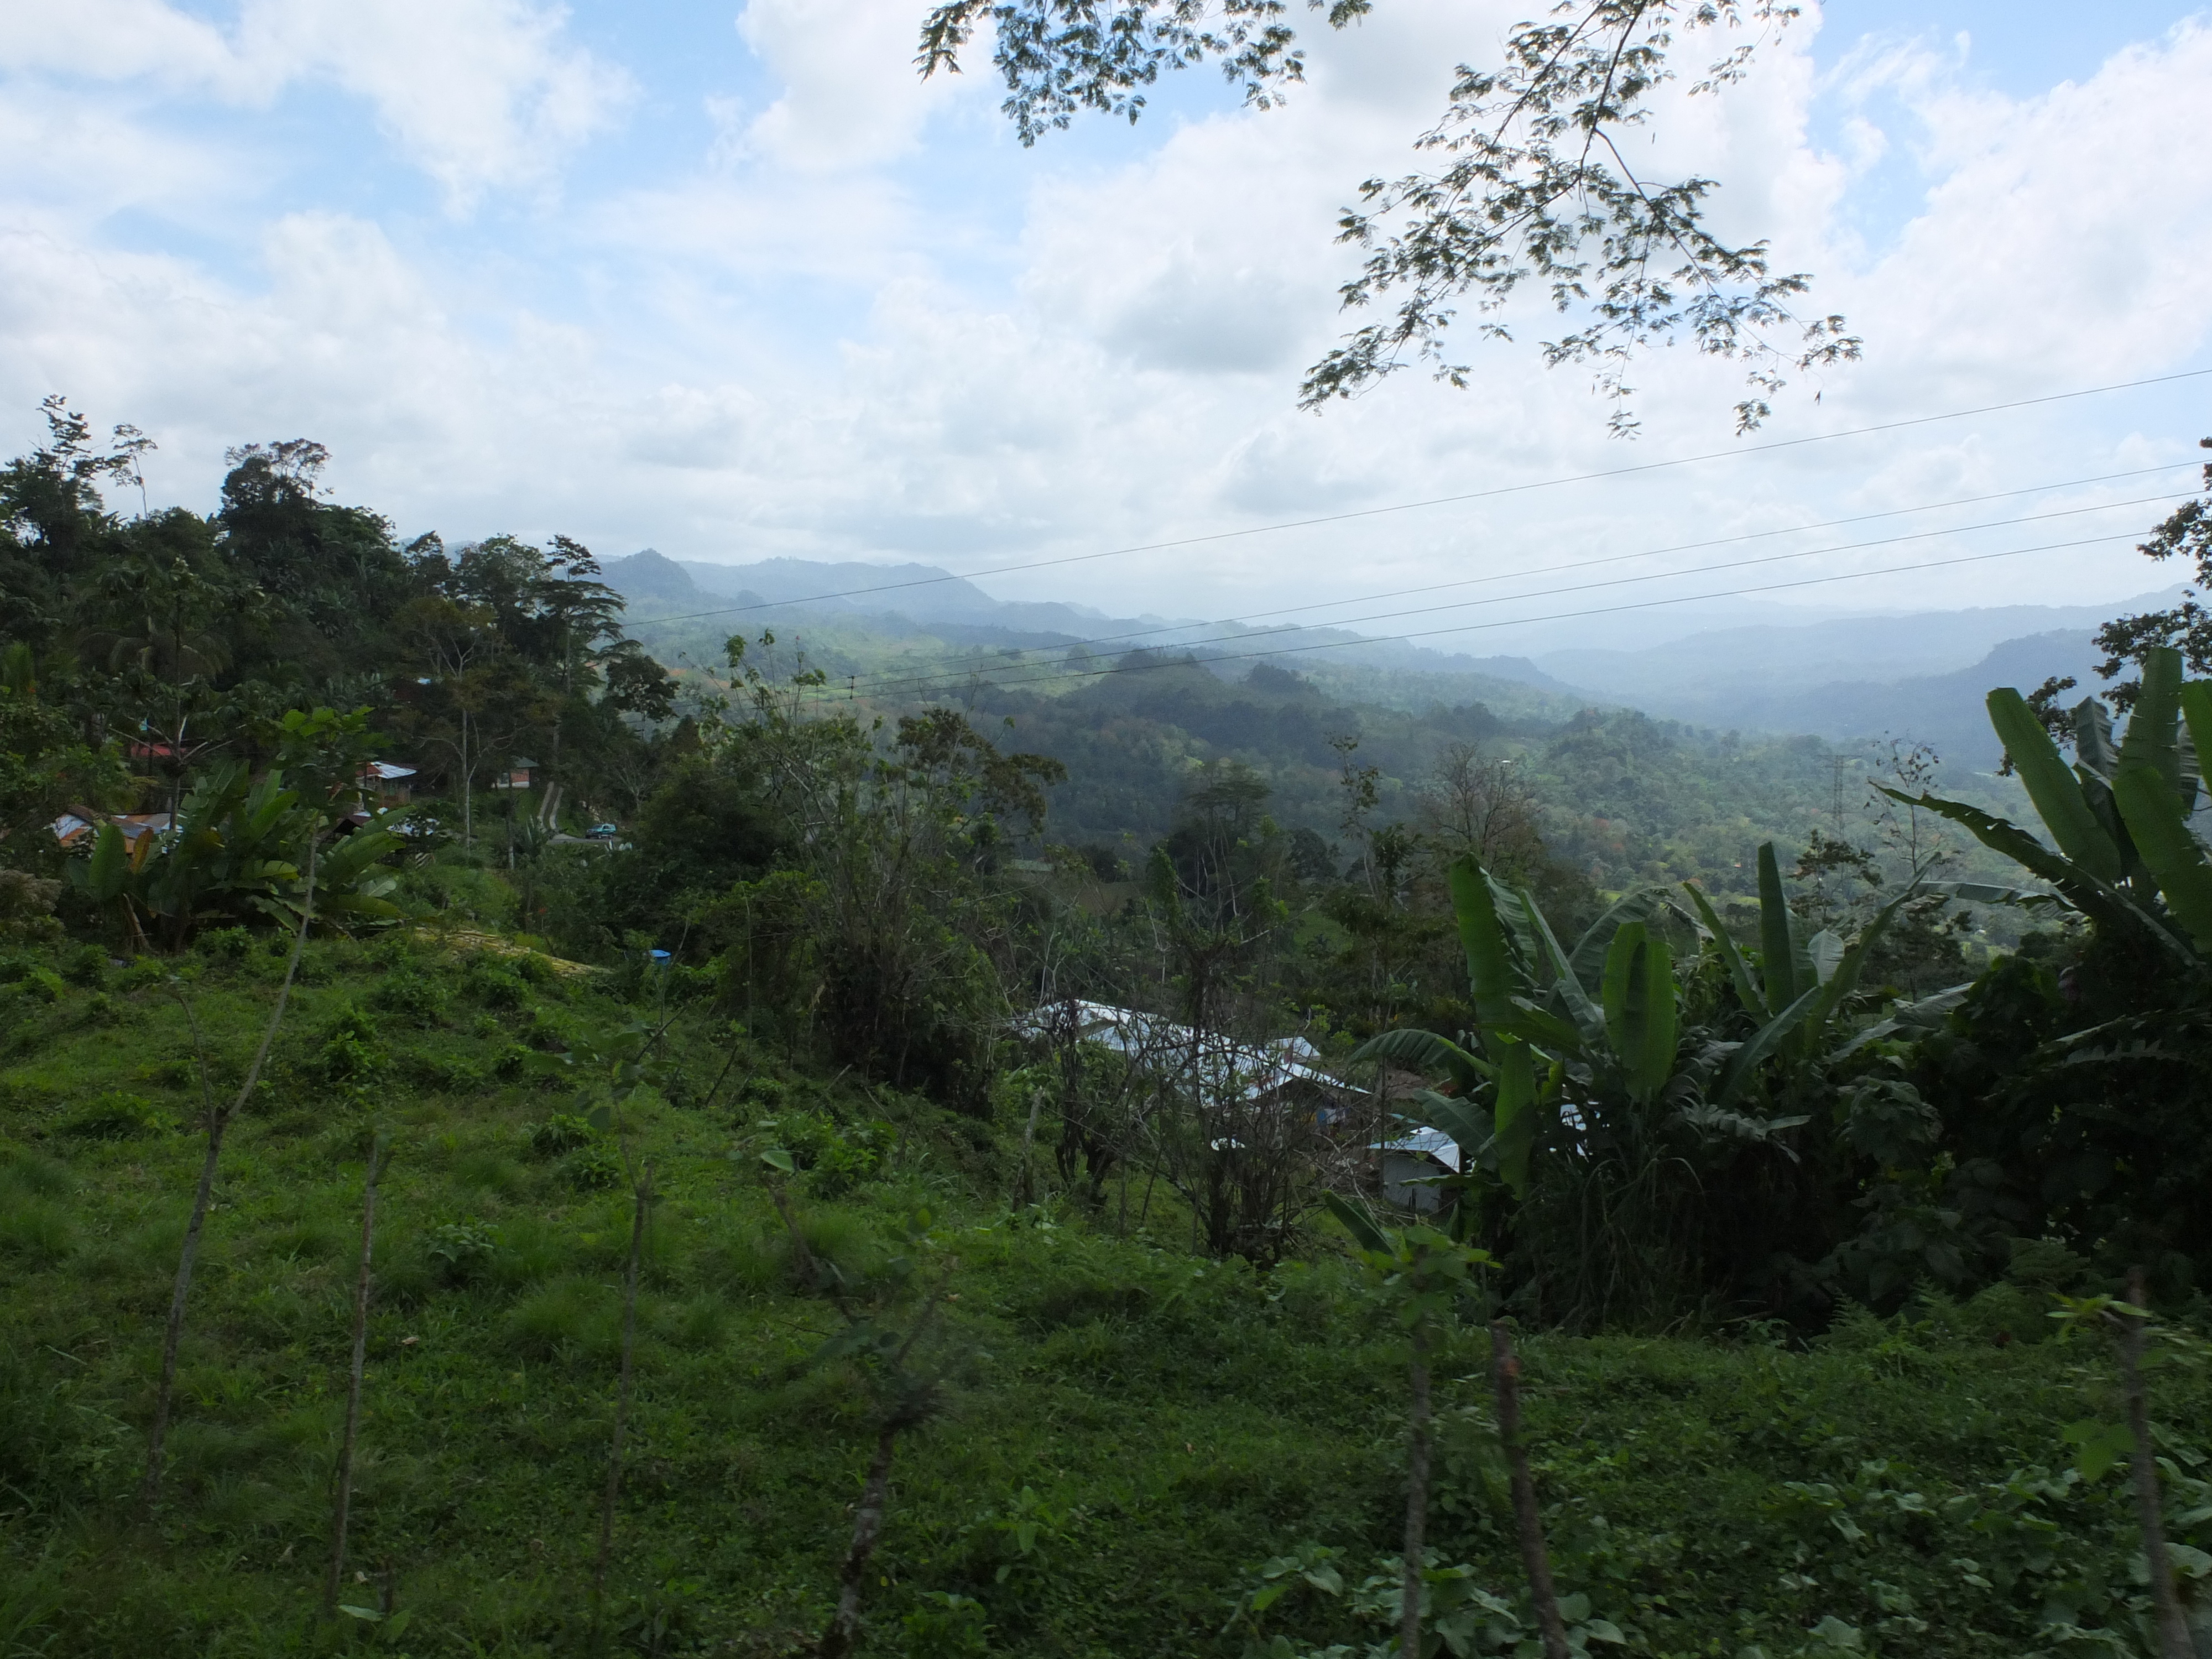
1357 1220
1465 1122
2058 796
1490 969
2092 738
2195 702
1425 1051
2098 900
2171 855
600 1117
776 1159
2098 1447
1514 1115
110 857
2150 739
1586 961
1778 953
1640 1015
1745 1063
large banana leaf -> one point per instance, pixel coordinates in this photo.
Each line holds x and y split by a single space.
1559 967
1514 1117
110 864
1586 963
2149 741
2060 799
2092 738
2162 840
1467 1124
2098 900
1425 1051
1491 975
1641 1018
1784 967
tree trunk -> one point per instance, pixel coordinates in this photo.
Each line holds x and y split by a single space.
1417 1497
2174 1638
1505 1379
217 1122
643 1199
341 1501
1029 1140
844 1632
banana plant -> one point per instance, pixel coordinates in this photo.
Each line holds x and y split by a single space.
1598 1030
1797 995
1603 1019
2122 853
235 846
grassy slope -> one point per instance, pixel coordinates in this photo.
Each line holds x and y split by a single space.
1176 1422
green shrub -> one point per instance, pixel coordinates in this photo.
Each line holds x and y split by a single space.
86 966
594 1169
410 998
495 985
460 1252
563 1131
39 985
835 1158
224 944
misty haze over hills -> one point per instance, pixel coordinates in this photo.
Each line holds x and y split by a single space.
1729 664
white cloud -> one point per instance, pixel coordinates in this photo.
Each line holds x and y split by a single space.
479 94
791 350
852 96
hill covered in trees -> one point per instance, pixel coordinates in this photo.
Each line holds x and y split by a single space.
732 1162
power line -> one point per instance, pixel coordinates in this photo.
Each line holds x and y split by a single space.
1447 501
890 682
952 681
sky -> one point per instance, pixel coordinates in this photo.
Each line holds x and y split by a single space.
730 281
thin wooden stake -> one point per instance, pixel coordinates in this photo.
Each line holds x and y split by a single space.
2174 1638
218 1122
379 1155
1505 1380
1417 1497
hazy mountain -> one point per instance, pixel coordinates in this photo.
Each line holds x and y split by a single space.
1913 675
1725 664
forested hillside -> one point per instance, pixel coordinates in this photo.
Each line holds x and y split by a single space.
509 1145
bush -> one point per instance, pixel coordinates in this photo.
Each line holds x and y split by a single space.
495 986
834 1159
411 997
224 944
594 1169
87 965
563 1131
460 1251
38 984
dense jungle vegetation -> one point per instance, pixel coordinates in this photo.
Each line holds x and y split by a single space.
913 1187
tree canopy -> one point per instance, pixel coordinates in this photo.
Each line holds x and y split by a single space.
1525 183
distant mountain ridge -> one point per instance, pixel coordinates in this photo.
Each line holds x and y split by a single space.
1920 675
